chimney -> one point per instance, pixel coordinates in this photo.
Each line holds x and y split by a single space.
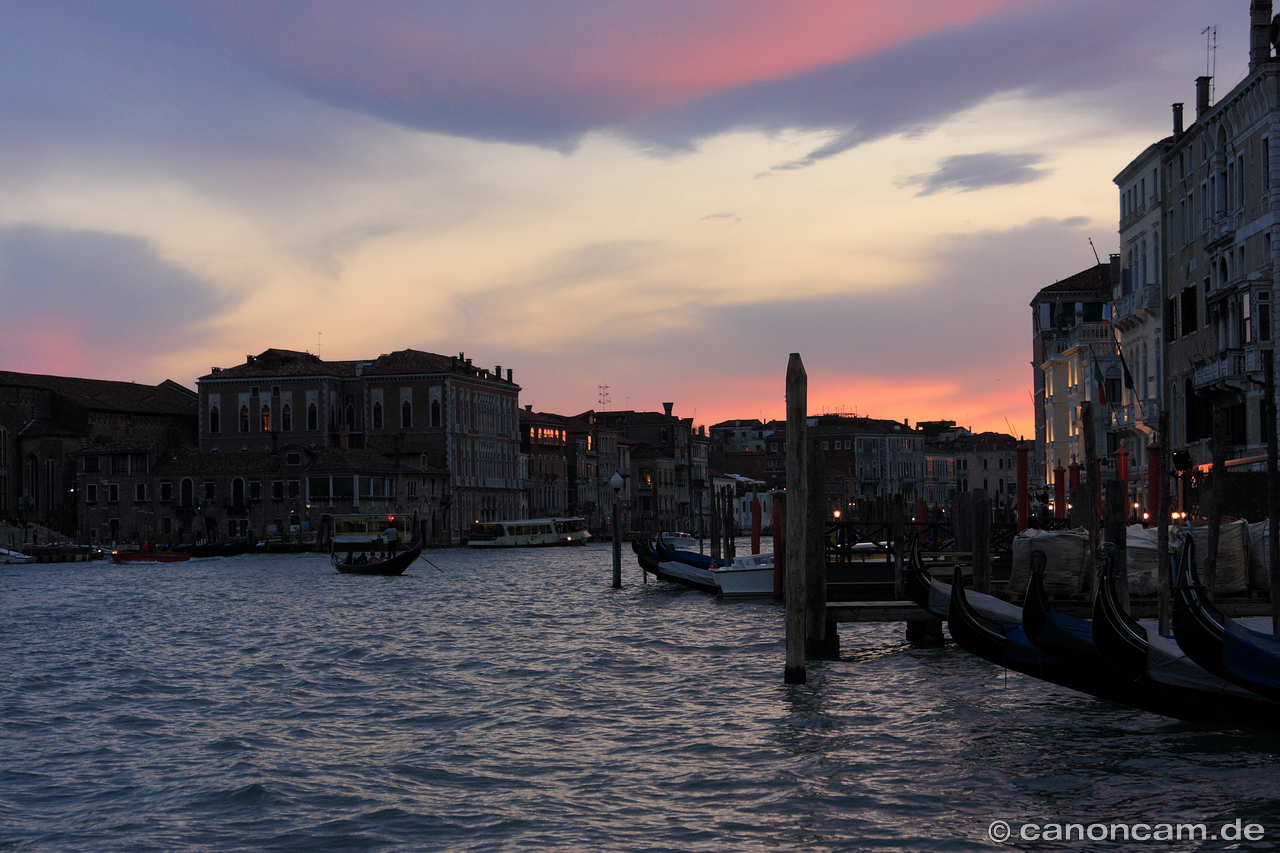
1259 33
509 379
497 372
667 407
1177 121
1202 95
528 407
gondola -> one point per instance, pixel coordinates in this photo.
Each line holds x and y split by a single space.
344 562
1007 646
1248 658
1069 640
1145 657
934 596
659 561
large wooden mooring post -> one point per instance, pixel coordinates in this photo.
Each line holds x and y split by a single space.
1117 527
981 538
797 519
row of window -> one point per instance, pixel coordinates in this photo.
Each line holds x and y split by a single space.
264 421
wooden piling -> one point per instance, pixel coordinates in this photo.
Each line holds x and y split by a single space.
779 523
1117 526
1273 482
1217 488
617 543
797 523
981 538
1162 520
1092 498
817 642
755 523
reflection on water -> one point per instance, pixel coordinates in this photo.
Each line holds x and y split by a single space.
513 700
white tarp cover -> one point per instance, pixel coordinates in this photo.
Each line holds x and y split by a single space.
1259 555
1068 563
1233 556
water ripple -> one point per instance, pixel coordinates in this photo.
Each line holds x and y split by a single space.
517 702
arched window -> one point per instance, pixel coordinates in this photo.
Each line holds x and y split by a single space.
377 416
266 418
215 420
313 417
237 492
244 418
406 415
435 413
286 418
186 493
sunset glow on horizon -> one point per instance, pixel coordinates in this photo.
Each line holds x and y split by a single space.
664 198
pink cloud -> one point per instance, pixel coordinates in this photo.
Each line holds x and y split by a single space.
627 60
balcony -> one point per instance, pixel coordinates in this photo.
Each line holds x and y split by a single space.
1145 298
1231 370
1134 414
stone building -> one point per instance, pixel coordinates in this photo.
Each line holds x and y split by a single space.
425 413
1220 206
46 420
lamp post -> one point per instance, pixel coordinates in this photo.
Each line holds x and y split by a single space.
617 483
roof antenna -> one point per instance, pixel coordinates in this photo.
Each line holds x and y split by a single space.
1095 252
1211 56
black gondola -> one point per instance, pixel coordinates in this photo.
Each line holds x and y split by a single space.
1146 658
1248 658
934 596
656 559
345 562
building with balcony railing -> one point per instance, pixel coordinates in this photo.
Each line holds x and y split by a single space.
1072 345
1220 209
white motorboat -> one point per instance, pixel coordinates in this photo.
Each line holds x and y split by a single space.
747 576
7 556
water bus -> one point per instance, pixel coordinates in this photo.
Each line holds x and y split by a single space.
528 531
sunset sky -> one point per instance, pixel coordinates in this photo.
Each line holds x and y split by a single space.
663 197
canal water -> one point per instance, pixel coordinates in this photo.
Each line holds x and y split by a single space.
514 701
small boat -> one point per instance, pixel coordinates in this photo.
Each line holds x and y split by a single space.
669 564
681 541
137 554
7 556
749 576
1248 658
528 532
360 545
933 596
348 563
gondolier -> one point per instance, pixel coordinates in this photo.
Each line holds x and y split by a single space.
391 537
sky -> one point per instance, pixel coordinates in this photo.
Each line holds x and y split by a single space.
626 202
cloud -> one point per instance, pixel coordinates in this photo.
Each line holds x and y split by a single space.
99 303
970 172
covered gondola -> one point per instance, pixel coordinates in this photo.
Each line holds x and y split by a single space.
669 564
1146 658
1248 658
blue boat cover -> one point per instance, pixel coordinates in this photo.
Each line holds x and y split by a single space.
1251 655
1018 649
692 558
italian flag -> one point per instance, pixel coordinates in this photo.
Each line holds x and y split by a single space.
1097 377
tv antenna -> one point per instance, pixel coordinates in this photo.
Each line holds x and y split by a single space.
1211 57
603 397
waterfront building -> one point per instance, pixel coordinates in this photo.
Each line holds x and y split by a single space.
1136 302
544 439
46 420
1219 275
669 467
425 413
1074 360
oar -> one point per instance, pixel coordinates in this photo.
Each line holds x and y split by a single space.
431 564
